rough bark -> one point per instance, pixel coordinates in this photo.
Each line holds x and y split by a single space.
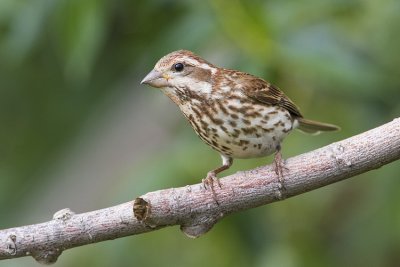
196 209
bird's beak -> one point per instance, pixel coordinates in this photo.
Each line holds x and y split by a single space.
155 79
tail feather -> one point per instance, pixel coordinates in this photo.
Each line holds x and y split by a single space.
314 127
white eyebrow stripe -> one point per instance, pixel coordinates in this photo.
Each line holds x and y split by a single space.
191 61
208 67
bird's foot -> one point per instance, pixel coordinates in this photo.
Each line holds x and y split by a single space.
279 167
209 182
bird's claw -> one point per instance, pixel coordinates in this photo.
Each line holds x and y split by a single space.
279 167
209 182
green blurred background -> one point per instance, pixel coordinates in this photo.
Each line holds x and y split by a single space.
79 131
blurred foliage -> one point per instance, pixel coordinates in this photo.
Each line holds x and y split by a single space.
65 62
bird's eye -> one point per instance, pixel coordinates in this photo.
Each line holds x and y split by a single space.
178 67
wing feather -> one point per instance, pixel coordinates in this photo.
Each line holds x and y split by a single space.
266 93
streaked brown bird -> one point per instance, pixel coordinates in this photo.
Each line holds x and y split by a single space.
236 113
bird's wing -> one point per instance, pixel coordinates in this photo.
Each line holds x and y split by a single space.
266 93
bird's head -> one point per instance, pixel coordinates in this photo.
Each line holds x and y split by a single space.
182 72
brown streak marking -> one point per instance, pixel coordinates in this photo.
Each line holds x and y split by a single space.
204 125
226 148
213 120
217 81
234 116
190 95
243 142
235 97
249 130
244 109
222 108
245 121
213 107
276 124
215 144
223 128
233 108
196 111
267 130
236 133
253 114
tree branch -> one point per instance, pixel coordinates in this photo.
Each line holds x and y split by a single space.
196 209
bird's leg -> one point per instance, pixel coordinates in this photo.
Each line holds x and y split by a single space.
212 175
279 164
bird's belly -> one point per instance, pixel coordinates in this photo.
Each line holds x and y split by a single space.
243 134
263 142
253 147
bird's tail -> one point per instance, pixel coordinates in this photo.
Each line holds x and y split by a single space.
314 127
